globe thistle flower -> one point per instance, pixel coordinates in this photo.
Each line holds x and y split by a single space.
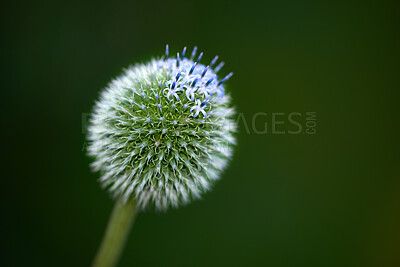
162 132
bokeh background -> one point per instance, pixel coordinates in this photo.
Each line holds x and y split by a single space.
326 199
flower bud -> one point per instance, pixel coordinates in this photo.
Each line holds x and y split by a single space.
163 131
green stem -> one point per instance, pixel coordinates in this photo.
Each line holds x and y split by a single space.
122 218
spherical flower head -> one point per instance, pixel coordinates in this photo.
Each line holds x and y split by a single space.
163 131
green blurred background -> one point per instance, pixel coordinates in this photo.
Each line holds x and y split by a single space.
327 199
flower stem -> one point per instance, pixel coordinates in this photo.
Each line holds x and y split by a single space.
120 222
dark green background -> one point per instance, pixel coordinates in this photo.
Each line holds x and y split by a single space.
329 199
